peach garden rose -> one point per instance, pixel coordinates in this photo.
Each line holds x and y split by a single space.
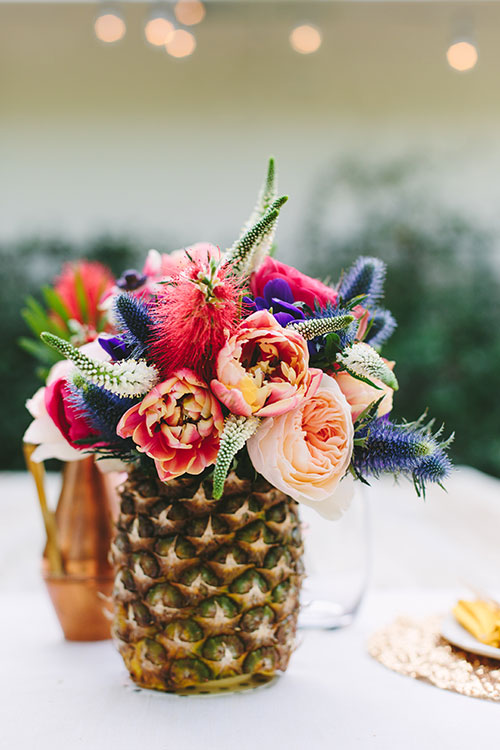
360 394
306 452
263 370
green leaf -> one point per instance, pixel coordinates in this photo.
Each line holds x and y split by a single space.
368 414
355 301
332 346
56 303
361 377
34 315
81 296
38 350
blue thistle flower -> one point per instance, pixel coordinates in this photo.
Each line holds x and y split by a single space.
346 336
433 468
101 409
409 449
390 448
382 327
365 277
134 319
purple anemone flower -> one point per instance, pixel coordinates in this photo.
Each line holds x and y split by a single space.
130 280
115 346
279 298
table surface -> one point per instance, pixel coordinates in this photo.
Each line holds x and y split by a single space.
57 695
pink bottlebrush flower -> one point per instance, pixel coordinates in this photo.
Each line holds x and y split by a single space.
81 286
194 313
304 288
263 370
177 424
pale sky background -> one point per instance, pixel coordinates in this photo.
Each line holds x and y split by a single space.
124 138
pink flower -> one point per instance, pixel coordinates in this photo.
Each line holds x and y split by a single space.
360 395
82 285
43 433
362 315
306 452
160 265
304 288
264 369
56 426
194 314
68 420
178 424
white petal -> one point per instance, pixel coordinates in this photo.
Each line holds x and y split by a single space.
335 505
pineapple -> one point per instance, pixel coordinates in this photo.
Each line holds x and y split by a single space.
206 592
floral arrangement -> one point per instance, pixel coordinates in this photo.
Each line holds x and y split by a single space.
234 360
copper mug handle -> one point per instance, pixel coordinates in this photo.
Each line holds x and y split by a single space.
53 551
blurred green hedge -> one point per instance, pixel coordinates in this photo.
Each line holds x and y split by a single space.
442 286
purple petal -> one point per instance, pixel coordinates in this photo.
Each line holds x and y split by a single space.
249 303
283 318
260 303
115 346
278 288
280 306
131 280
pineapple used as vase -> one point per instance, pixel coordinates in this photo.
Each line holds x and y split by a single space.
207 591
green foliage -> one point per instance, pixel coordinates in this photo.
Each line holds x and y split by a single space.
442 286
242 253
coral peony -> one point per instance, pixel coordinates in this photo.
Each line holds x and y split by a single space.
177 424
304 288
306 452
264 369
360 395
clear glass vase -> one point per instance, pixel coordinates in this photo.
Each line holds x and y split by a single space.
337 563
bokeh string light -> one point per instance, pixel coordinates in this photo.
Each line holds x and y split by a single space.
109 27
189 12
462 55
305 39
159 30
181 44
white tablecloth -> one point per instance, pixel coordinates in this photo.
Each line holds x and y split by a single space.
56 695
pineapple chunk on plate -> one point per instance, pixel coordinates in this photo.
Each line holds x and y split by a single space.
458 636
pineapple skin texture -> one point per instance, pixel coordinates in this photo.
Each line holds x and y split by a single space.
205 590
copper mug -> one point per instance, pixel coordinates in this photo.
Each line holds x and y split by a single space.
75 565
